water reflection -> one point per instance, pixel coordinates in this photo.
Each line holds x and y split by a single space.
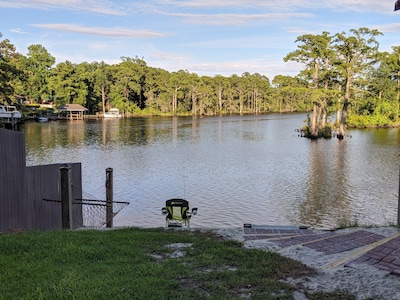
237 169
327 197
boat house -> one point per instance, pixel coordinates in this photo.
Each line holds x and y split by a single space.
72 112
10 117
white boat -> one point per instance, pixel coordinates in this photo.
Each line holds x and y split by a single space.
112 113
43 119
9 112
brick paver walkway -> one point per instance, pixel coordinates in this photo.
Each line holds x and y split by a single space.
385 256
346 242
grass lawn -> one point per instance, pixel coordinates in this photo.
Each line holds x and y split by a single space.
136 263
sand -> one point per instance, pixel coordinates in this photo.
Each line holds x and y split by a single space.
361 280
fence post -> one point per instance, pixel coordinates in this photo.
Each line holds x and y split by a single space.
109 197
398 204
66 197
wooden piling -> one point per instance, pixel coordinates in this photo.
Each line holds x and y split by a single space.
109 197
66 197
398 204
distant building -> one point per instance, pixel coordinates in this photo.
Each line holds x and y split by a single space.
72 112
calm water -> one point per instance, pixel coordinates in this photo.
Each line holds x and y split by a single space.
235 169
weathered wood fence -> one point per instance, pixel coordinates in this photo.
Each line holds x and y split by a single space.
22 189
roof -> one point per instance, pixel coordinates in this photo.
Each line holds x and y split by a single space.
72 107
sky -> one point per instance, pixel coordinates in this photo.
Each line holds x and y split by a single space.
206 37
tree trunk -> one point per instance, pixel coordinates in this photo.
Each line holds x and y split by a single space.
314 118
175 100
103 98
324 118
398 94
313 125
342 126
241 104
220 98
201 110
194 103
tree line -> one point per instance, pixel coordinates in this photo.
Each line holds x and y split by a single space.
342 73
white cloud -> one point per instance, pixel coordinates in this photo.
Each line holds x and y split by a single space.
97 6
113 7
18 31
102 31
176 57
395 27
237 19
281 5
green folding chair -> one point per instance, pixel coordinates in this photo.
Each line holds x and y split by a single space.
177 213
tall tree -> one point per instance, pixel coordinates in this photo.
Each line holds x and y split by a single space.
394 66
314 51
86 72
220 85
255 84
238 89
194 83
103 83
126 89
38 65
356 52
8 70
138 70
207 97
177 82
67 85
156 90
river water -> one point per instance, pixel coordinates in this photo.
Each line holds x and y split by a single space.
234 169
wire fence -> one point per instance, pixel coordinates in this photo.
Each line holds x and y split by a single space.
94 212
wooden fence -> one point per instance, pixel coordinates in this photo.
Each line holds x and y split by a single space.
22 189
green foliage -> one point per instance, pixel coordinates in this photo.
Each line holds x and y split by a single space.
375 120
8 70
37 66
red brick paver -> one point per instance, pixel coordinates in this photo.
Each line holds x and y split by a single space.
268 233
385 257
346 242
300 240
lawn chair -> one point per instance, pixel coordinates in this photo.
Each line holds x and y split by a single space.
177 213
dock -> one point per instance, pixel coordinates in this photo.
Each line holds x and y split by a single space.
10 117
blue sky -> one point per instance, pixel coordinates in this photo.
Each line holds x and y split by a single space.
207 37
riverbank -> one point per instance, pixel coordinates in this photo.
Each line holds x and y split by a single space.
347 271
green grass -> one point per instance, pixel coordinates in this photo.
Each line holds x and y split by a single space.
137 263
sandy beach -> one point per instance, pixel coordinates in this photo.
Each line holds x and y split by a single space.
362 280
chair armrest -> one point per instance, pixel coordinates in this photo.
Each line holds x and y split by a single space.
194 211
164 210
